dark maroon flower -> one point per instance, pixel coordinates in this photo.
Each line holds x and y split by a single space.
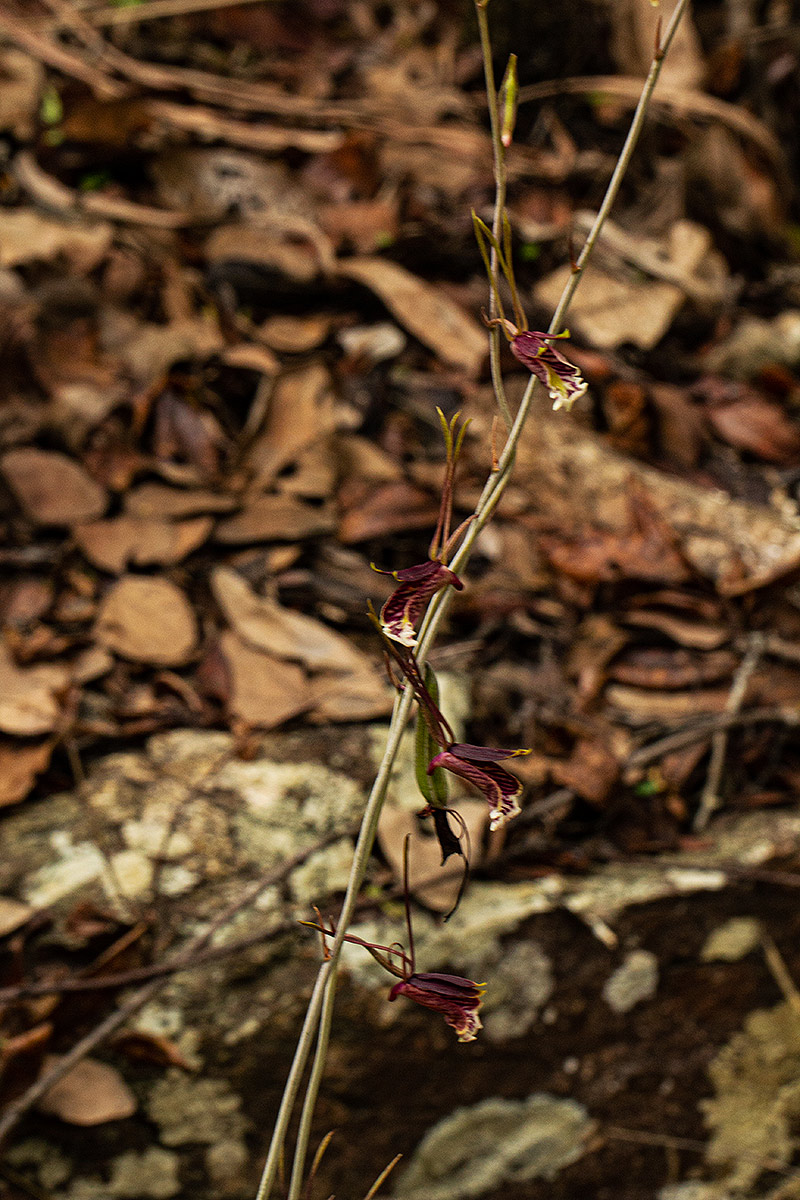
407 602
562 380
457 999
479 766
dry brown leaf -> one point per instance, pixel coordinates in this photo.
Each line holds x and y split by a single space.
275 519
315 473
265 692
759 426
244 243
365 224
26 235
141 1046
423 309
159 500
148 620
295 335
736 545
23 79
392 508
591 771
696 634
28 696
301 410
361 695
53 489
425 857
658 667
640 705
610 308
148 351
140 541
250 357
647 550
20 763
13 913
92 1093
266 625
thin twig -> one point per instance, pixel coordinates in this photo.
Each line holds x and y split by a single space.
710 799
780 973
181 959
152 10
320 1006
705 726
44 50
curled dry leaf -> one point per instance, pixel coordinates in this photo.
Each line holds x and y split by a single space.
29 704
52 488
92 1093
295 335
423 309
140 541
149 351
148 620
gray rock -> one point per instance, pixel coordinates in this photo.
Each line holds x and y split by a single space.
495 1142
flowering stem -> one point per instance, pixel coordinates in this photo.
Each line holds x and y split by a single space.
500 179
320 1008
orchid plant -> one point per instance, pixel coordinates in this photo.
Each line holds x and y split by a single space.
452 996
410 619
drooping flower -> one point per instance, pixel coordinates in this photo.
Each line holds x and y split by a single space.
456 998
407 602
479 765
562 379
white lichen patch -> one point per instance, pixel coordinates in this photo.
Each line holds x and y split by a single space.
477 1149
129 876
302 794
51 1167
154 837
521 984
190 1110
635 980
151 1175
75 864
756 1107
323 873
733 940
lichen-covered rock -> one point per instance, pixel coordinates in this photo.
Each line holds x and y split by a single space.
495 1142
636 979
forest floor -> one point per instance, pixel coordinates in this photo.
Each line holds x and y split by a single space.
238 275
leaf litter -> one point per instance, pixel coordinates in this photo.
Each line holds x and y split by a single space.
223 358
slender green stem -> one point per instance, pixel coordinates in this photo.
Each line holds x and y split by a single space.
327 970
320 1007
500 176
